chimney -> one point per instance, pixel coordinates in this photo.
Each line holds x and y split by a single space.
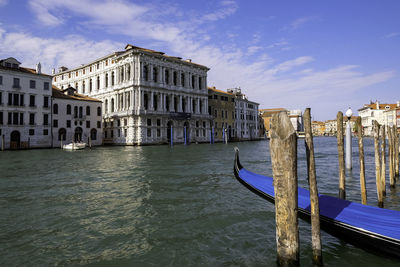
38 68
53 71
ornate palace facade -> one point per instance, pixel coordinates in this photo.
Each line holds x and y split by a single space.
148 97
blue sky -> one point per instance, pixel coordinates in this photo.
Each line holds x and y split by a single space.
327 55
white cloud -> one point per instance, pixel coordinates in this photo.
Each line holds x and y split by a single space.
70 51
3 2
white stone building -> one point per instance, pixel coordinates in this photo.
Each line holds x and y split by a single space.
75 118
384 114
246 127
296 118
25 101
146 96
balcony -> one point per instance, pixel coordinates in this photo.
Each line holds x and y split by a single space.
16 86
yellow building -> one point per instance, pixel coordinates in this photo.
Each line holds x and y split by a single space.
221 106
266 115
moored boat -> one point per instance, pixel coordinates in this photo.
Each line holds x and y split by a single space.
372 228
74 146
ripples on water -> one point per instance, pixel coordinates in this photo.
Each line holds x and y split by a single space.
159 206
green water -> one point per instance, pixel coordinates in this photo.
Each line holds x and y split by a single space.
159 206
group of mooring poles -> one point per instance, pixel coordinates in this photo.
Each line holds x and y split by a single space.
283 147
380 133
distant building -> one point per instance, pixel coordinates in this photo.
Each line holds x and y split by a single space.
330 127
25 101
246 111
384 114
221 106
295 116
148 97
76 118
318 128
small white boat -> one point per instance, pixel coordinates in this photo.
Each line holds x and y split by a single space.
74 146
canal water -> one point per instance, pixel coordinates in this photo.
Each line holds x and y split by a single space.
160 206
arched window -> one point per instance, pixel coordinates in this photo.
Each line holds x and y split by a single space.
145 73
193 81
200 85
175 78
121 74
75 112
106 106
106 79
183 79
112 104
93 134
167 76
68 109
76 86
98 111
98 83
128 72
83 87
155 74
112 78
145 102
90 85
55 109
80 112
87 111
62 134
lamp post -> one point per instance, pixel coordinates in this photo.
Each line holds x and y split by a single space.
349 164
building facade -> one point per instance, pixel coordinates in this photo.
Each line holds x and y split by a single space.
25 101
384 114
148 97
221 107
75 118
246 116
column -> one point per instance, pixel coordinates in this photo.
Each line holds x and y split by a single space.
198 106
141 98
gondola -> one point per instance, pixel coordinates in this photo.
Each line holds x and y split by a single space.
371 228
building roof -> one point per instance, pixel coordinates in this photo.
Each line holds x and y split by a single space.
381 106
24 70
265 112
219 91
58 93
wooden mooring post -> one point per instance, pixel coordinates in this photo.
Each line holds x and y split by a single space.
383 159
363 186
391 158
396 149
378 165
283 147
339 136
312 182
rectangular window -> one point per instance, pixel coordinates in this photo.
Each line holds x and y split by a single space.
1 80
148 122
158 122
68 123
112 133
87 124
125 122
46 86
149 132
158 133
10 97
46 102
21 118
125 132
16 100
16 83
32 84
98 124
1 98
31 100
118 123
119 132
15 118
32 119
1 117
46 132
55 123
45 119
21 99
31 131
9 122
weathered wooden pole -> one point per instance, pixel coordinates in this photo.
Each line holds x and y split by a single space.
312 182
383 160
378 165
283 147
339 136
2 142
362 163
391 158
396 149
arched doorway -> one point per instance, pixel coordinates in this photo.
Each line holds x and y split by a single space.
186 132
78 134
93 134
169 131
62 134
15 140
